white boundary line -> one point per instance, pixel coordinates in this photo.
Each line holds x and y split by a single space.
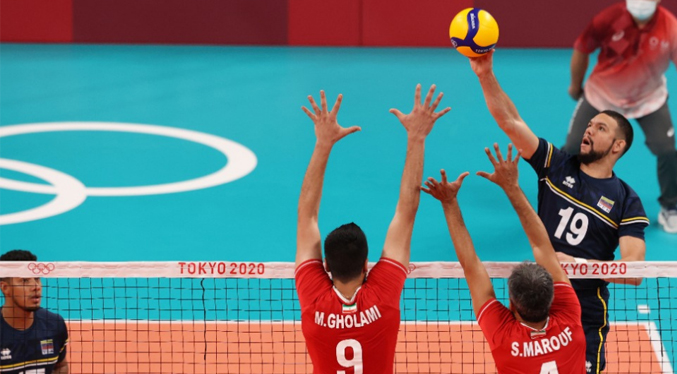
659 348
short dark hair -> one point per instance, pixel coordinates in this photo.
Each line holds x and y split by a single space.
345 250
531 291
624 127
18 255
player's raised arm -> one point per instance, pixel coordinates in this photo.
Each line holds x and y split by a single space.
328 132
505 175
479 283
502 108
418 124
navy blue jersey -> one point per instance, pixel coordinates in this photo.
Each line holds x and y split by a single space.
35 350
584 216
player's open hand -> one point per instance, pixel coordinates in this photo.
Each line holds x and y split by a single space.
483 64
327 129
505 170
420 121
444 191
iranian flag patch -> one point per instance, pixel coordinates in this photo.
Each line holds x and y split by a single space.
349 309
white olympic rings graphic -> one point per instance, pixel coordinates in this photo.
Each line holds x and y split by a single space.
40 267
70 192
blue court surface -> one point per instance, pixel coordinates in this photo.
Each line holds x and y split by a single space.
249 98
158 153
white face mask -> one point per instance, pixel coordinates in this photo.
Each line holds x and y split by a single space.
642 10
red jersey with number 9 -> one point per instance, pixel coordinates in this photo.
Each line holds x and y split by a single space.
355 336
519 349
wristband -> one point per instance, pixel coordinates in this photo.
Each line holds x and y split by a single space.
580 260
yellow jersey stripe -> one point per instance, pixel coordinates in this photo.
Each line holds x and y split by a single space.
581 204
635 219
601 336
42 360
547 160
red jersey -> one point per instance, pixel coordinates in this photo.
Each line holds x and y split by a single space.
351 336
630 73
520 349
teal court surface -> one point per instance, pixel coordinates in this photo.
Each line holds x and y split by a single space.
170 153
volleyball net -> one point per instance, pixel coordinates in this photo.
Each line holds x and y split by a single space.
237 317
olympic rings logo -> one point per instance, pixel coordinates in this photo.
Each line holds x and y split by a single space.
70 192
41 268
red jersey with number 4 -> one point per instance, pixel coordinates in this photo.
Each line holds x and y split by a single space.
353 336
519 349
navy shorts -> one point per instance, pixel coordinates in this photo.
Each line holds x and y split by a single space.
595 321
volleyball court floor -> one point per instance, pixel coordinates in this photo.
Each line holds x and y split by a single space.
160 153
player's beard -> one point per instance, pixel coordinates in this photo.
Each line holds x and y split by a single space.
26 308
593 155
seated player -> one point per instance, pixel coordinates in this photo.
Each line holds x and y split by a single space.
541 331
350 321
32 339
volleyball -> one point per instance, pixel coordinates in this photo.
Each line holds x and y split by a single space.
473 32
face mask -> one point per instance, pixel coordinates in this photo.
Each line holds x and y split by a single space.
642 10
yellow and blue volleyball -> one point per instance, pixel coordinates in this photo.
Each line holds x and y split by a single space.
473 32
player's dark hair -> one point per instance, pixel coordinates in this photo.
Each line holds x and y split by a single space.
345 250
624 128
531 291
18 255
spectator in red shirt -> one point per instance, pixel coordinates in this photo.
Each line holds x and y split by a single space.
637 40
350 321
